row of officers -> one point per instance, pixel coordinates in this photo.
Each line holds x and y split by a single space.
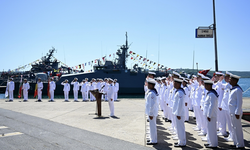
84 87
107 86
216 104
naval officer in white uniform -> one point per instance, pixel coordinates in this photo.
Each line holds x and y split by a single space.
75 84
11 88
52 87
66 89
210 111
84 90
26 87
235 110
152 110
39 90
179 113
110 95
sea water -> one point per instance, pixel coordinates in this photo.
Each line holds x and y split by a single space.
244 83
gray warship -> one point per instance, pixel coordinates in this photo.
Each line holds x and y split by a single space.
131 80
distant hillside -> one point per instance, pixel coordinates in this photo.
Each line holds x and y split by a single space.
243 74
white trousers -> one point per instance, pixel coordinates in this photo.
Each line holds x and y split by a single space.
25 94
229 122
237 133
66 95
91 97
220 121
116 95
165 110
198 116
180 129
153 130
75 94
11 95
87 95
223 121
169 113
186 113
39 94
51 94
204 124
111 107
212 132
84 96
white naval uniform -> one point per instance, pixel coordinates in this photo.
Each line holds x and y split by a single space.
210 111
91 87
105 89
11 88
218 87
39 90
235 108
178 110
75 89
186 89
87 87
166 108
225 110
197 100
52 87
66 89
84 91
110 95
203 117
116 90
26 87
152 110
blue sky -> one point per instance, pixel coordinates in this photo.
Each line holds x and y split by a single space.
83 31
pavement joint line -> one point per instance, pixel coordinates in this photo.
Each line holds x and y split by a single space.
51 132
3 127
10 134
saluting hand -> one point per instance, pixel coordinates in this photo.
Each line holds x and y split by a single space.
237 116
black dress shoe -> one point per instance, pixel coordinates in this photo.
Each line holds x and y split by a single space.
232 146
177 145
206 144
150 143
213 147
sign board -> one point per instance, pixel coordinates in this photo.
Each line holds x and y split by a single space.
204 33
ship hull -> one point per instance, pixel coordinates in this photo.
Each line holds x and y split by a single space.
130 83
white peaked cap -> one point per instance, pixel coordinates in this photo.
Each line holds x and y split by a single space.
178 80
163 78
205 78
208 82
150 80
199 74
234 76
228 73
176 73
194 76
152 73
219 73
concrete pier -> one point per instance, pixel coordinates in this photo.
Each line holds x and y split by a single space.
73 125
